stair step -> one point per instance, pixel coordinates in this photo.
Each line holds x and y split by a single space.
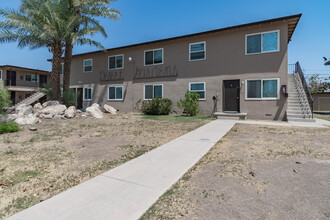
300 120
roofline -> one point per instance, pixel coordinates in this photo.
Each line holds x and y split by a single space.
24 68
296 16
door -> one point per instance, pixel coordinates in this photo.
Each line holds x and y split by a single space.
42 81
79 98
13 97
11 78
231 95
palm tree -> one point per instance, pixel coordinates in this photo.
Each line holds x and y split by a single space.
40 23
86 10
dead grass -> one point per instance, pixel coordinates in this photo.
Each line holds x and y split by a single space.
35 166
241 177
322 116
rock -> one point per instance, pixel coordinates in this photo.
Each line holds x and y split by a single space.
19 107
59 117
27 121
48 116
109 109
95 111
79 111
84 115
12 117
37 107
25 109
53 109
70 112
33 129
50 103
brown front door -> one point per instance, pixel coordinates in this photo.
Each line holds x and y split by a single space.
11 78
231 95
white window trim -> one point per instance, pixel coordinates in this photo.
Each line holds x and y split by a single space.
84 93
0 74
31 77
198 90
116 68
154 64
62 68
122 93
85 65
153 85
204 42
262 87
261 33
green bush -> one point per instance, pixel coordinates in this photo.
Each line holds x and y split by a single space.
156 106
4 98
70 97
190 104
47 90
8 127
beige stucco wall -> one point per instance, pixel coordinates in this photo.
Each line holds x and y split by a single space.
225 60
321 102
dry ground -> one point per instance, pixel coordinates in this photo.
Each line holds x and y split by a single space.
35 165
322 116
255 172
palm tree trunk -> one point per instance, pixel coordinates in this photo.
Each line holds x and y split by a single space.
67 65
56 70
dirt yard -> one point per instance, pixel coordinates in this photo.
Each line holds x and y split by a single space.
322 116
255 172
36 165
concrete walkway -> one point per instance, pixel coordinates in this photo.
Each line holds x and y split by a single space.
127 191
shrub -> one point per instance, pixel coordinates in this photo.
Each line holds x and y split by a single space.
47 90
70 97
156 106
4 99
190 104
8 127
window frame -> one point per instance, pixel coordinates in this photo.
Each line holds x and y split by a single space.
116 68
31 78
261 33
62 69
86 66
262 89
153 58
122 93
153 95
204 42
85 92
201 99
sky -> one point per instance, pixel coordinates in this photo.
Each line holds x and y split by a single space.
147 20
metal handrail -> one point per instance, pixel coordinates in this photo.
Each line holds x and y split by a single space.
305 86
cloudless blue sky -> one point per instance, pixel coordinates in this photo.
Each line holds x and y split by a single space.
147 20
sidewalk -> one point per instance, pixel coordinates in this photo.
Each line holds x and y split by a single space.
127 191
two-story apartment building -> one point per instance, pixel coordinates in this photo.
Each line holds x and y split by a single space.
22 82
235 69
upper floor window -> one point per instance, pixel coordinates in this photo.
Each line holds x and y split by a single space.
153 57
153 91
88 94
198 87
116 62
197 51
88 65
62 68
115 93
31 78
262 42
262 89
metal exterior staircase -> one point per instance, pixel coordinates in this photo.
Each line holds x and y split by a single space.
299 103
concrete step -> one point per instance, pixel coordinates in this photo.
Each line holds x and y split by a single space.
294 112
230 115
300 120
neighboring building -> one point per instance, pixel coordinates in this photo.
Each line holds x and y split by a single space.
243 66
322 101
22 82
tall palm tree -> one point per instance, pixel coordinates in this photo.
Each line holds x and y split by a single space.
86 10
40 23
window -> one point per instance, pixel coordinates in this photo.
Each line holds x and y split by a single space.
31 78
153 57
262 89
0 74
116 62
262 42
198 87
88 65
197 51
62 68
153 91
88 94
115 93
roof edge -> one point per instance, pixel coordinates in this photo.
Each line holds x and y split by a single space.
24 68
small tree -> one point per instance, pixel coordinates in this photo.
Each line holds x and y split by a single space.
316 85
4 99
190 104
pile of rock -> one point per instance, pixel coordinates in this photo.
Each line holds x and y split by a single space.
26 114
